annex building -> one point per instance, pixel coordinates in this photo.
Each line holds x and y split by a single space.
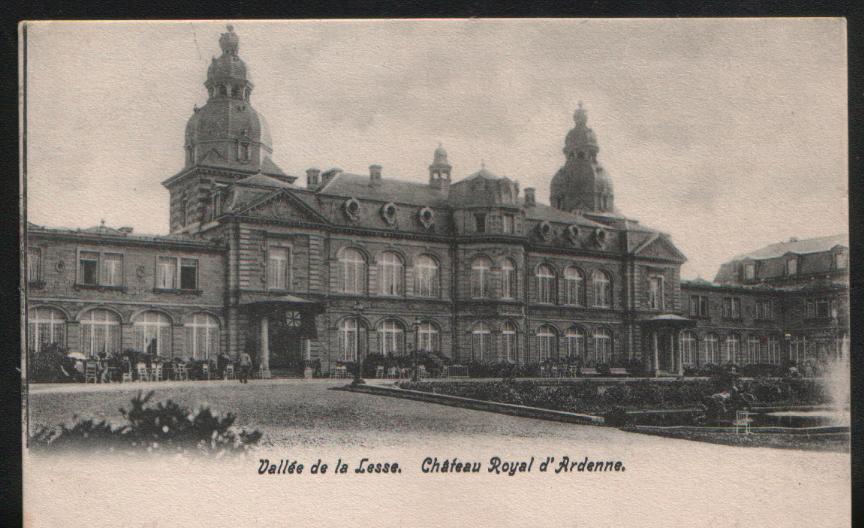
473 268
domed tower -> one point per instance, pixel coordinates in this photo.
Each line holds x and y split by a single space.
226 140
227 131
582 183
439 171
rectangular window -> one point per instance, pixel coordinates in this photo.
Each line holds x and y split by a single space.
655 293
698 306
749 271
111 269
819 308
34 264
764 310
278 259
731 308
188 274
508 224
88 268
703 307
480 222
166 273
792 266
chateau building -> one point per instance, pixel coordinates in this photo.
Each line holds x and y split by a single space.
472 268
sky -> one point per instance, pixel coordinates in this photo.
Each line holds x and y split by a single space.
726 134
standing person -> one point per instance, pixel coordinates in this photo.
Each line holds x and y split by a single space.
245 367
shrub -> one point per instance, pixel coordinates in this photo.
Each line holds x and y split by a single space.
160 427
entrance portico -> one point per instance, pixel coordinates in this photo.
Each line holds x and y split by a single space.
284 323
662 341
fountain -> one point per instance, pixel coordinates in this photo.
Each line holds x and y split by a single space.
835 379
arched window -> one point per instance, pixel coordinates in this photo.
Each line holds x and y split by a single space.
100 333
547 341
575 339
602 346
481 341
508 279
574 287
352 339
47 326
153 333
509 343
481 277
711 346
426 276
223 90
752 355
391 274
427 338
688 348
602 289
545 284
733 348
202 337
391 338
352 271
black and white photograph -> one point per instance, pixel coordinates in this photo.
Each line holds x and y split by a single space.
435 272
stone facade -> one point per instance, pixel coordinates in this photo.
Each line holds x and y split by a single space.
352 264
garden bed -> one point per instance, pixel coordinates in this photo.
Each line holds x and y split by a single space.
634 395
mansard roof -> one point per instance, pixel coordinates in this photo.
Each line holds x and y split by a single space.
542 212
385 190
797 247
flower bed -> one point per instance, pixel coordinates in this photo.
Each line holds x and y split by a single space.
597 398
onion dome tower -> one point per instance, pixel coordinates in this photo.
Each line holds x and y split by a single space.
582 183
227 132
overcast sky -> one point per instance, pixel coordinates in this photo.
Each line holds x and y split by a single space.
726 134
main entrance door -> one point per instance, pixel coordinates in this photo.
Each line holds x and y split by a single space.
285 353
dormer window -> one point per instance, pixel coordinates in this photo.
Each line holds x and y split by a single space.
750 271
244 152
223 90
480 222
792 266
839 261
508 223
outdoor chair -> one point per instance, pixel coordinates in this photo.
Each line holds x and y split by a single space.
379 371
156 373
392 373
229 372
127 372
91 372
143 374
181 373
421 371
205 371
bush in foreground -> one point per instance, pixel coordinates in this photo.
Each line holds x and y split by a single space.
162 427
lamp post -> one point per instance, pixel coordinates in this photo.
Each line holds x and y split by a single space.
358 371
417 323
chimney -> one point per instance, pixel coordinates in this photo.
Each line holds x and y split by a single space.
529 197
329 174
313 178
374 174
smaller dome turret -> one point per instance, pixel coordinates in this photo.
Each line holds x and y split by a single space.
439 171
